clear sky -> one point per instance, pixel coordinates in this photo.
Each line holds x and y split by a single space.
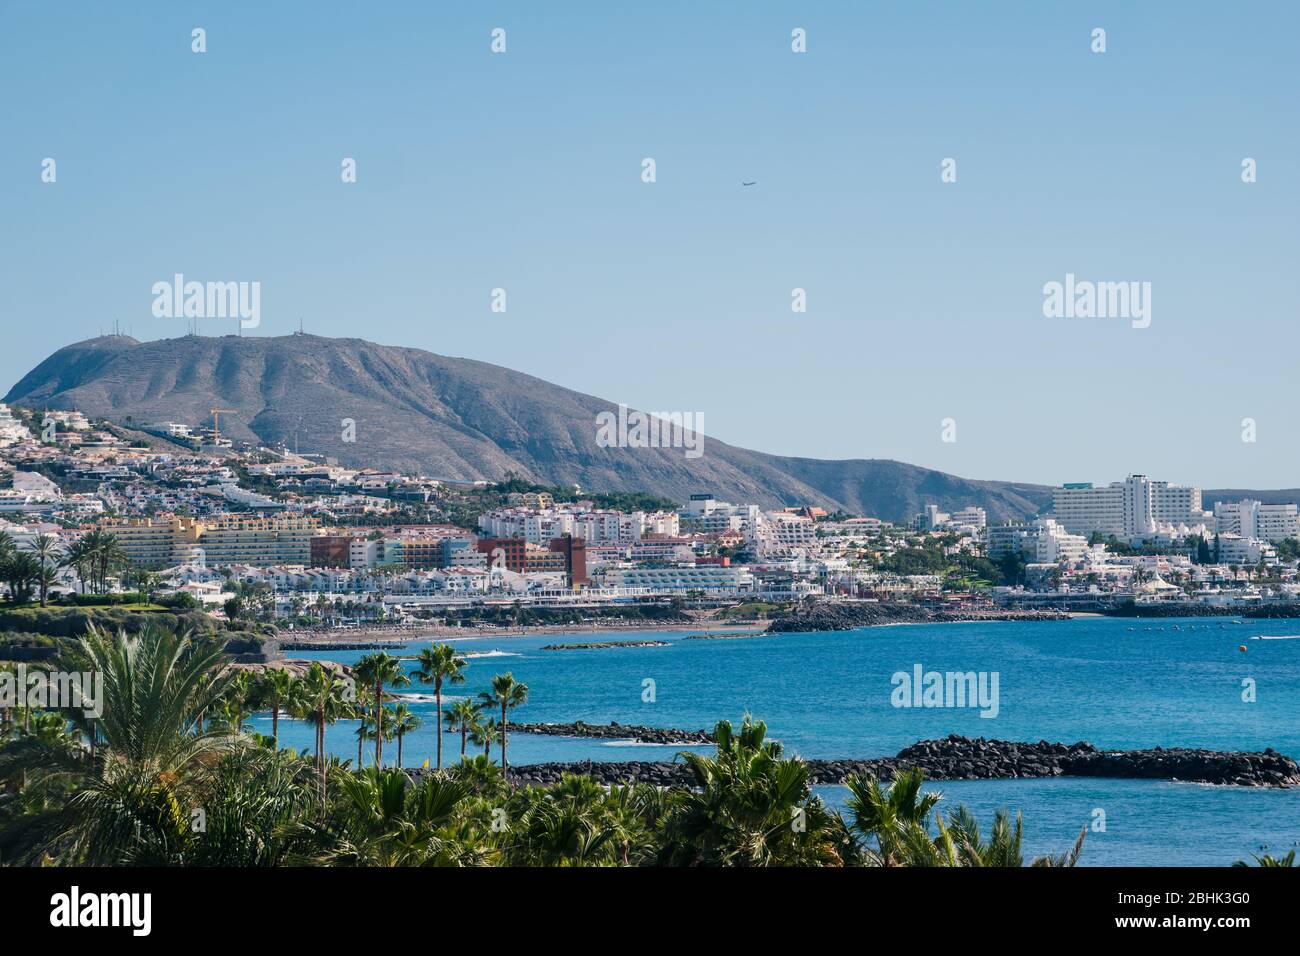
523 170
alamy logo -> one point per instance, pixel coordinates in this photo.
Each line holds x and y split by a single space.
45 690
73 909
633 429
1098 300
922 688
208 300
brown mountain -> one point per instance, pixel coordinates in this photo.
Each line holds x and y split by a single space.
461 420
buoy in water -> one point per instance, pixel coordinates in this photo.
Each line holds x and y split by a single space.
1242 648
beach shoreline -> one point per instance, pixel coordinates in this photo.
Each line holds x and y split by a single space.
328 637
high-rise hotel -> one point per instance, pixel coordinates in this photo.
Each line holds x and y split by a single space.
1130 508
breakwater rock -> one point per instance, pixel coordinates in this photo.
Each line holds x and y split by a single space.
964 758
846 616
344 645
1265 611
1281 609
1171 609
617 731
595 645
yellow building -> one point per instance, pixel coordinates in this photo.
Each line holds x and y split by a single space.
159 543
259 541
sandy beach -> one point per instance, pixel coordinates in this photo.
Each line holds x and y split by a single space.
326 637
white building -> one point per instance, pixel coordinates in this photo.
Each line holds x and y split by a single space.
1234 549
707 515
12 430
364 553
540 525
711 578
1132 508
1041 541
971 520
1252 519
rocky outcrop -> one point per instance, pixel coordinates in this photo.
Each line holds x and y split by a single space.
295 666
847 616
617 731
964 758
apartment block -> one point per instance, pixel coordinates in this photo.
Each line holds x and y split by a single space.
1253 519
259 541
1134 507
156 543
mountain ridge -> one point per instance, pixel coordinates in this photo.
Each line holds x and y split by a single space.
461 420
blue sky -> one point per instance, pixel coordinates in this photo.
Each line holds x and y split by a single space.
522 171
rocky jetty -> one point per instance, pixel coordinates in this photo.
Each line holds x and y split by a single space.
964 758
344 645
595 645
1280 609
724 636
616 731
847 616
1265 611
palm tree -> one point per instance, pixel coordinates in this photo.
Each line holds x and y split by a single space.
507 693
363 734
20 572
1269 860
894 815
460 718
46 579
130 799
480 774
277 690
105 554
404 722
438 664
483 732
83 557
239 689
377 670
45 548
749 806
324 700
963 834
385 821
567 826
1067 859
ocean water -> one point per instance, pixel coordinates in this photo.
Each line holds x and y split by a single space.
1112 682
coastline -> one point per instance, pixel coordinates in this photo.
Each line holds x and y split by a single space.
331 637
398 635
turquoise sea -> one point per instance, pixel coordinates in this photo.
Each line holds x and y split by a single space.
1115 683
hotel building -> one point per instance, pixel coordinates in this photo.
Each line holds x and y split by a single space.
1253 519
259 542
1131 508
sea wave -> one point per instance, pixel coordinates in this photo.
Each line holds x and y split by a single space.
422 698
646 743
470 657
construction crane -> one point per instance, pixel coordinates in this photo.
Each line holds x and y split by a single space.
216 422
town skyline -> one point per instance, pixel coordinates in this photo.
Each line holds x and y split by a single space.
477 171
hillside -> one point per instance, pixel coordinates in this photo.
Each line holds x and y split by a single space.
458 419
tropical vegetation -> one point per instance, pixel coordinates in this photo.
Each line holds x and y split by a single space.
166 772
